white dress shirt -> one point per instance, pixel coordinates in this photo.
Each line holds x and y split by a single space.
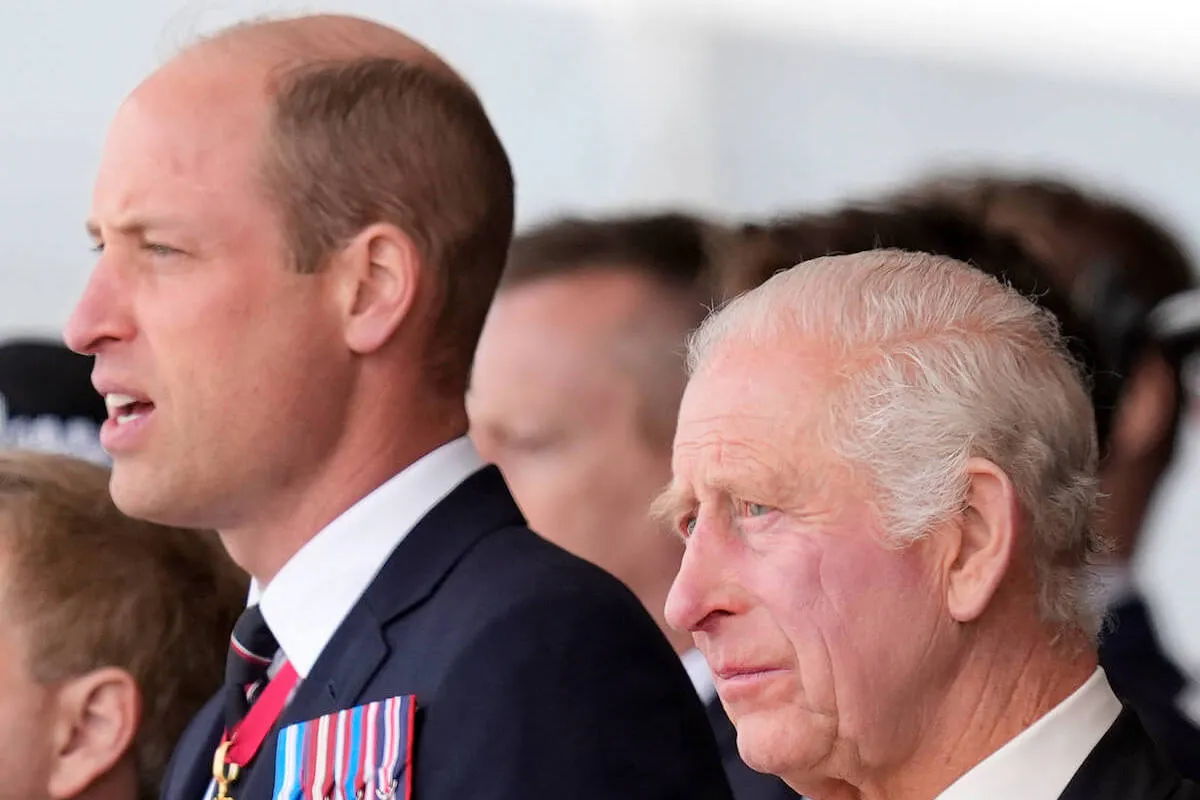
309 598
701 675
1039 762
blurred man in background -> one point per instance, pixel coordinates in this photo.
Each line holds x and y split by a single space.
284 322
47 402
113 633
885 475
574 394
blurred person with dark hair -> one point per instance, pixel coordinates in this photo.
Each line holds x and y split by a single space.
1129 651
113 633
47 402
1114 262
284 323
574 394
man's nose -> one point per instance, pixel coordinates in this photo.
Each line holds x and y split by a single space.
99 316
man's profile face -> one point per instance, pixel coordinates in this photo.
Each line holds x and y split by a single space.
212 351
818 632
554 408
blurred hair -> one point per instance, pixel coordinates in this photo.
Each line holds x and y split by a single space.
93 588
1079 235
677 254
949 364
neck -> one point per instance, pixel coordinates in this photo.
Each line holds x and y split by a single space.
996 694
118 783
365 458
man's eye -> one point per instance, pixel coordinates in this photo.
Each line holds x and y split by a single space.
756 509
159 249
687 525
97 247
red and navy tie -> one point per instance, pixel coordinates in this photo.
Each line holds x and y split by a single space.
252 649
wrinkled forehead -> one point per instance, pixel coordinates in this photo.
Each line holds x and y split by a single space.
765 403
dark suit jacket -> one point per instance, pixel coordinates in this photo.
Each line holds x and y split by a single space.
747 784
1146 678
536 674
1127 765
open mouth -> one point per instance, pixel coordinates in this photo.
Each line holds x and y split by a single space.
124 408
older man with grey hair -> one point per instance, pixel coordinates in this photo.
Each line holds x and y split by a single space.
885 475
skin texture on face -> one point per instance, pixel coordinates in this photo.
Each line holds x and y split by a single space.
193 309
245 396
787 584
552 404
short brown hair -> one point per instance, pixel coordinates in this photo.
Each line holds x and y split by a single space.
103 590
675 250
357 142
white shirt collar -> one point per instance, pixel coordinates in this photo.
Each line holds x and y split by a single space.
701 675
1039 762
309 598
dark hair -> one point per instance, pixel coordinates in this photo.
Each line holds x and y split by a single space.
369 140
1109 257
676 250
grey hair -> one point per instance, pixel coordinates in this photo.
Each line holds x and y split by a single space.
939 363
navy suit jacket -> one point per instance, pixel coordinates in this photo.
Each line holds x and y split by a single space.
1145 677
1127 765
536 674
747 784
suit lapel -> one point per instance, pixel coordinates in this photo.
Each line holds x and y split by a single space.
478 506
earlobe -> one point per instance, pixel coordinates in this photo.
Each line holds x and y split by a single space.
384 274
97 720
984 543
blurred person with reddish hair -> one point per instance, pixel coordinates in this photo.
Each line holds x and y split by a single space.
113 633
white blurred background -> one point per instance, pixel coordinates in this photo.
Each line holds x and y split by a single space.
725 106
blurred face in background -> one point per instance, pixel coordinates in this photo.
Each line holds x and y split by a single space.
555 407
212 352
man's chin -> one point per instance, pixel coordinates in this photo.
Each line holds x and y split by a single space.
787 748
137 494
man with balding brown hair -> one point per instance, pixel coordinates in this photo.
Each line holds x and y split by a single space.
301 225
112 633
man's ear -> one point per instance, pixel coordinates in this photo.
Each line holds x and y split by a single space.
982 542
379 272
97 718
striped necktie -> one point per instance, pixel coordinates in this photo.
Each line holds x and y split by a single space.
252 649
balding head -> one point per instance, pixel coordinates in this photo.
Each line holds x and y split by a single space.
302 225
363 124
292 42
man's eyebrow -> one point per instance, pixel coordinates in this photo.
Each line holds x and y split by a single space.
136 226
670 503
